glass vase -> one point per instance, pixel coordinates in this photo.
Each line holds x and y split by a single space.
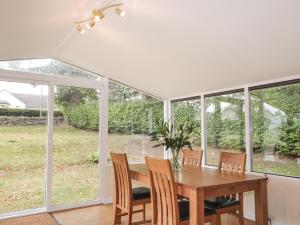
175 160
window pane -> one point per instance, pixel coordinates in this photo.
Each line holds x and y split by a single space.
75 146
225 124
48 66
132 117
276 130
188 111
23 123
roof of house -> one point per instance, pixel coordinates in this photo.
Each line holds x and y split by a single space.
32 101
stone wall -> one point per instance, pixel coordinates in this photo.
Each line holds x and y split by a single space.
27 121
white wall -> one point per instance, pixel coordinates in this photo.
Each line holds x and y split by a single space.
283 199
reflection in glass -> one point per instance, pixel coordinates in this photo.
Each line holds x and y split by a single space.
188 111
48 66
131 118
225 124
276 130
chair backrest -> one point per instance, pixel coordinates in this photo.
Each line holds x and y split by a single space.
192 158
163 192
232 162
123 185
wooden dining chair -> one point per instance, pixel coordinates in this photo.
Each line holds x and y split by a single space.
229 163
166 209
126 197
192 158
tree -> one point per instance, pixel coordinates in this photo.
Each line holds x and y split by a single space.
72 96
215 122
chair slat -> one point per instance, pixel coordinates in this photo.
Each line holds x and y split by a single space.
192 158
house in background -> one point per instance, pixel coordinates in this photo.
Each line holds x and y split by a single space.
22 101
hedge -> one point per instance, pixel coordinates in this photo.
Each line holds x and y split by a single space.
26 112
124 117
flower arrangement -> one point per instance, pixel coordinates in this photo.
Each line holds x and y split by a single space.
173 138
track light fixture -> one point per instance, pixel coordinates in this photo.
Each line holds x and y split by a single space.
119 12
96 16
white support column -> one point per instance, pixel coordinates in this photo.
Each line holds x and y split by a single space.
49 147
167 117
103 147
248 129
203 131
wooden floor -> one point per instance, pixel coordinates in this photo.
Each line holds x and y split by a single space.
102 215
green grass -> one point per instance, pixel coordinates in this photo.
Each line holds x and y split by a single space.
74 177
22 166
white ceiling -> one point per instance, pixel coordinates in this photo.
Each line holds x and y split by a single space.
168 48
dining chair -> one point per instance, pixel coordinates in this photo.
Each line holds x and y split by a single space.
166 209
229 163
126 197
192 158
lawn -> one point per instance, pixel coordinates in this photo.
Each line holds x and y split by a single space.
74 176
22 166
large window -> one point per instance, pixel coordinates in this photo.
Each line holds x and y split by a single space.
23 128
49 136
276 129
225 125
187 111
132 117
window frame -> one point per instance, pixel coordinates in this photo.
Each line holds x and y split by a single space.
215 94
262 87
247 111
51 81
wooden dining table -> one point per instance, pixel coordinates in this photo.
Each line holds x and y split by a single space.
199 183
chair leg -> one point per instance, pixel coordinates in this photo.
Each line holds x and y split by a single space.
144 212
214 221
241 210
129 218
218 219
116 217
241 216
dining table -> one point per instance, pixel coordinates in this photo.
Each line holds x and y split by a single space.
198 183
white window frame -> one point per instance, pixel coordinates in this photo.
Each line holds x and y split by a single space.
51 81
248 122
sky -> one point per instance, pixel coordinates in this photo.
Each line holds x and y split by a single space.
24 88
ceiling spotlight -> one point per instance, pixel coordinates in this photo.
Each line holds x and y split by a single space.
90 24
120 12
98 15
80 29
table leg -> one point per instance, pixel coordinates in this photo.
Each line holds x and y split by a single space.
196 207
261 203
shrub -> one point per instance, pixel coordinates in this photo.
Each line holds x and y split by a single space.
83 116
93 157
124 117
232 142
26 112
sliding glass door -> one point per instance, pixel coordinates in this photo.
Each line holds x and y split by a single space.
50 136
23 130
75 169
